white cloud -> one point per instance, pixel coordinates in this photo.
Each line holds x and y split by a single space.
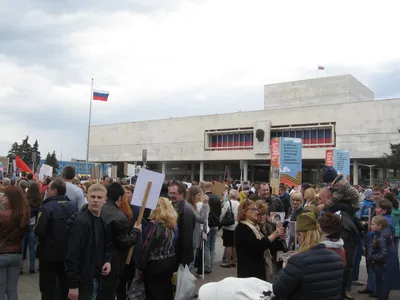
201 54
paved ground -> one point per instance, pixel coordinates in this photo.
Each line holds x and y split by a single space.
29 284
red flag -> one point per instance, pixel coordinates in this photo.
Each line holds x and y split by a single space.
21 165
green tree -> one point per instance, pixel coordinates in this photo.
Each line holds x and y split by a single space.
393 158
51 160
26 151
35 149
15 150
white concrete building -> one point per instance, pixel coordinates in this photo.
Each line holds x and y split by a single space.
330 112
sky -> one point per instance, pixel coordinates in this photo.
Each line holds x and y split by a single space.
174 58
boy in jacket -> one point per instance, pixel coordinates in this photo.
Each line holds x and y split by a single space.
88 259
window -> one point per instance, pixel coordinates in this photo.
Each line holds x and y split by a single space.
313 135
230 139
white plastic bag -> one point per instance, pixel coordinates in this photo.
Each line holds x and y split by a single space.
185 287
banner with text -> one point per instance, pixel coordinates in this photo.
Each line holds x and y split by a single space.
340 160
286 162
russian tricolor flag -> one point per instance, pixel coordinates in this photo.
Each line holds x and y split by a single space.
100 95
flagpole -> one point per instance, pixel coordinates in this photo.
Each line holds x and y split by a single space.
88 135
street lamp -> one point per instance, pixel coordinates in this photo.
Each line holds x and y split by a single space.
370 172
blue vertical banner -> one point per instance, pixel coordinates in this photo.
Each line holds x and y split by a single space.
290 161
341 162
107 170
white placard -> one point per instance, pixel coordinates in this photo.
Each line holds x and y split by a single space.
45 170
144 177
131 170
188 184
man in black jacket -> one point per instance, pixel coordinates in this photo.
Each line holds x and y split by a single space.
121 235
186 222
88 260
274 204
51 231
213 224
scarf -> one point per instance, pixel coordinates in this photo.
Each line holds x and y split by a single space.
255 228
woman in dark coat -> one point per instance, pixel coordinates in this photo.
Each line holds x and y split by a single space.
314 272
251 243
296 206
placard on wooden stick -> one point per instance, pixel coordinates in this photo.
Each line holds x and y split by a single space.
147 191
140 217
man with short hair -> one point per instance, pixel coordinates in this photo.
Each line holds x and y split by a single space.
5 183
88 259
74 193
52 246
274 204
213 224
186 223
108 181
378 194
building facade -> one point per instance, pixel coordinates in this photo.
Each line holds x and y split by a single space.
327 113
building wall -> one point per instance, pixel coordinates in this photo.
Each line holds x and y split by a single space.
363 127
316 91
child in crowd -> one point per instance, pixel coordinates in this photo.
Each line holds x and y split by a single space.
344 196
378 255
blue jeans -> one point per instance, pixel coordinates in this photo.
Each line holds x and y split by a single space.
380 284
209 249
9 275
95 289
31 237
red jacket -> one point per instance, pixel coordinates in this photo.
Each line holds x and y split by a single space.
337 247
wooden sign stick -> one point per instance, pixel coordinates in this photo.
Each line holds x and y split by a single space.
140 217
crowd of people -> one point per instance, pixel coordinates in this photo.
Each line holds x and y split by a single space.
90 245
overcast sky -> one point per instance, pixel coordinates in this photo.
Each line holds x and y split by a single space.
171 58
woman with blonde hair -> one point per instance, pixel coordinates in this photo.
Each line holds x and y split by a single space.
310 197
313 272
296 205
157 260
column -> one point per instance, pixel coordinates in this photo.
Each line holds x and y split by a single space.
245 170
380 176
355 172
192 172
201 177
252 176
164 167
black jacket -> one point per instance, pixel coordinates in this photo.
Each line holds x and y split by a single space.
285 198
51 228
250 252
274 204
215 210
315 274
119 233
184 250
80 259
293 216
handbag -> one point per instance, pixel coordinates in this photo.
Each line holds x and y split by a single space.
229 218
136 290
